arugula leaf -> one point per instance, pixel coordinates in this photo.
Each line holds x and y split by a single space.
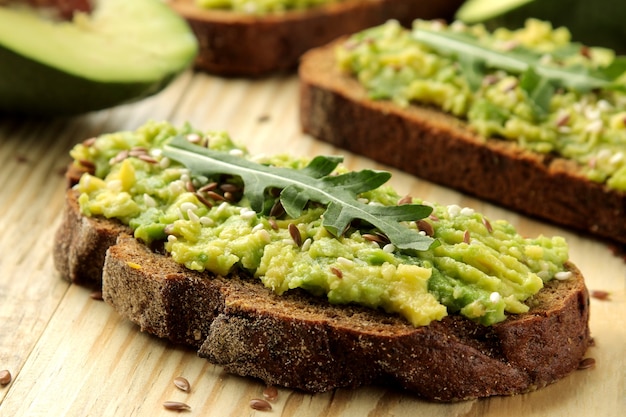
518 61
539 90
312 183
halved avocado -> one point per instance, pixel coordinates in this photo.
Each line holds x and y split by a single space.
122 51
595 23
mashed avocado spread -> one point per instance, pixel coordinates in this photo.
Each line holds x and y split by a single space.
469 265
532 85
262 6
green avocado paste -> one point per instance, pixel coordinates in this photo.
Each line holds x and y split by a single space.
263 6
531 85
470 265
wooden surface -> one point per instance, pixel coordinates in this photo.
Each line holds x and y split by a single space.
72 355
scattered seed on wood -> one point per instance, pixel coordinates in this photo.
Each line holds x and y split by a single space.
586 363
182 383
270 393
5 377
260 405
601 295
263 118
295 234
176 406
96 295
426 227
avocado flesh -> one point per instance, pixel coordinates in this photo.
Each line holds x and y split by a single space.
123 51
594 23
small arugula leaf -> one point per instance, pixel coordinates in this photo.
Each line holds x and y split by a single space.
474 71
539 91
516 61
321 166
385 218
339 193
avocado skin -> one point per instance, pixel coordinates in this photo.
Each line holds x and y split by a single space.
28 87
594 23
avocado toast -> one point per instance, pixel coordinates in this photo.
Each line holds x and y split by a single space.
283 326
537 127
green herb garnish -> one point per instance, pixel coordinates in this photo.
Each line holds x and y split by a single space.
339 193
519 61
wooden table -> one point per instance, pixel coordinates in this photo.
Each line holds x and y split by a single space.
72 355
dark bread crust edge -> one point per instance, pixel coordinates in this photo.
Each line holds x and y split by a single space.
441 148
302 342
238 44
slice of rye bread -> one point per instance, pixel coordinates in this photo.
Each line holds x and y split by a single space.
303 342
241 44
441 148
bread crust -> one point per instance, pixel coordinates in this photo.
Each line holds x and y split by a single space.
302 342
441 148
239 44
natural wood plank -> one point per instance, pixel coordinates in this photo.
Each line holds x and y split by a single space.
74 356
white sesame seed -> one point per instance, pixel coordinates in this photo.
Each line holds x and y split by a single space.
595 126
344 261
236 152
389 248
187 205
592 113
193 216
258 227
193 138
453 210
156 152
306 245
604 105
247 214
164 162
185 178
222 207
494 297
114 185
149 201
617 157
265 235
466 211
176 187
172 238
563 275
206 221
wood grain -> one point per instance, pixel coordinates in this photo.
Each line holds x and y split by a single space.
72 355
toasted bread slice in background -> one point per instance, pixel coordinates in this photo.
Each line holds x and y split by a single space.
241 44
441 148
